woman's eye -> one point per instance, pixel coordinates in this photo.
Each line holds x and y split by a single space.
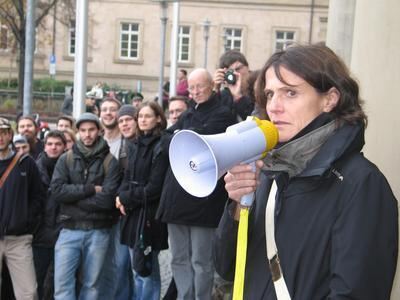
291 93
268 95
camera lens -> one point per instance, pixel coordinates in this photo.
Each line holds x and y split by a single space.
230 77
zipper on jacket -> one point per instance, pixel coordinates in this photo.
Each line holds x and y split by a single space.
337 174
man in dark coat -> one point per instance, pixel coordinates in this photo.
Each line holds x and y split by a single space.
191 220
46 236
21 196
84 185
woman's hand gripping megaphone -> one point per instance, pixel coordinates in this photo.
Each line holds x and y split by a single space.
242 180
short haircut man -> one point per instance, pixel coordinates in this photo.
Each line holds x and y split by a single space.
84 185
109 119
65 122
176 106
21 196
46 235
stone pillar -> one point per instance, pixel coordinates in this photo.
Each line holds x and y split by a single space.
375 61
340 27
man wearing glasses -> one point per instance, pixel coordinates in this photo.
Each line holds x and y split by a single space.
233 74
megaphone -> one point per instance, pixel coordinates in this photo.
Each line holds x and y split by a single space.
198 161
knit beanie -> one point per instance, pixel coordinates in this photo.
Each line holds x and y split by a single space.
126 110
88 117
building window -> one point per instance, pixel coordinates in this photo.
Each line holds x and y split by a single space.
71 39
233 39
283 39
184 44
129 41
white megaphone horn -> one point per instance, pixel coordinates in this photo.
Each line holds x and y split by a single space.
198 161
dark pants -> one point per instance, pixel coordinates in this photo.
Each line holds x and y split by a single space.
43 258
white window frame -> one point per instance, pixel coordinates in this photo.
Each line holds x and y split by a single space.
181 37
285 41
229 40
130 32
72 39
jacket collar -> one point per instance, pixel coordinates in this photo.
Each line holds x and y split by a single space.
208 105
315 152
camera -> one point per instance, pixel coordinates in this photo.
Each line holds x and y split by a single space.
230 77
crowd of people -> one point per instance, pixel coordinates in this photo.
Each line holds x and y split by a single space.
85 212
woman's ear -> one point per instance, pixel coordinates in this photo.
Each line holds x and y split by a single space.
331 99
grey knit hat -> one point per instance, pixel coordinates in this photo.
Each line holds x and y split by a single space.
88 117
127 110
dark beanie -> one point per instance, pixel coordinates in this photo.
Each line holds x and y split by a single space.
127 110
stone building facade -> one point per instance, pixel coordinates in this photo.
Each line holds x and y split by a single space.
124 37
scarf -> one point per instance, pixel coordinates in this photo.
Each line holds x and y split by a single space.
90 152
294 156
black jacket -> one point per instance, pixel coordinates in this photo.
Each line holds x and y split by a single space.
143 181
179 207
240 109
46 235
21 198
73 188
336 228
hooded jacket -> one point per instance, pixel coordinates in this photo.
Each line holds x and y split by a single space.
335 226
73 187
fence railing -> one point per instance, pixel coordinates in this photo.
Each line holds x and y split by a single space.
45 103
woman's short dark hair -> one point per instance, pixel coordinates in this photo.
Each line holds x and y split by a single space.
158 111
320 67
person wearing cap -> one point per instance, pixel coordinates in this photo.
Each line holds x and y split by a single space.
116 279
45 237
137 99
21 144
27 126
84 185
21 196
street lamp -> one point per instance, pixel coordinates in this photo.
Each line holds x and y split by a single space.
206 34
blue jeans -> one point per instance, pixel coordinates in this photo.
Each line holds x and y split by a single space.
116 278
148 288
83 250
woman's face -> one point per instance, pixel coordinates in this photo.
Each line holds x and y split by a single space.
147 119
292 107
70 141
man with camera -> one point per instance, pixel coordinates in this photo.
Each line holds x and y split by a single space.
233 73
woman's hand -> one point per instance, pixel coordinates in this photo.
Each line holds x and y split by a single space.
119 206
242 180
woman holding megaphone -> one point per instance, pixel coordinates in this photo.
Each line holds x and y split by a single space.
323 224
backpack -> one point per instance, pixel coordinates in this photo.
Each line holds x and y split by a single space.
106 161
